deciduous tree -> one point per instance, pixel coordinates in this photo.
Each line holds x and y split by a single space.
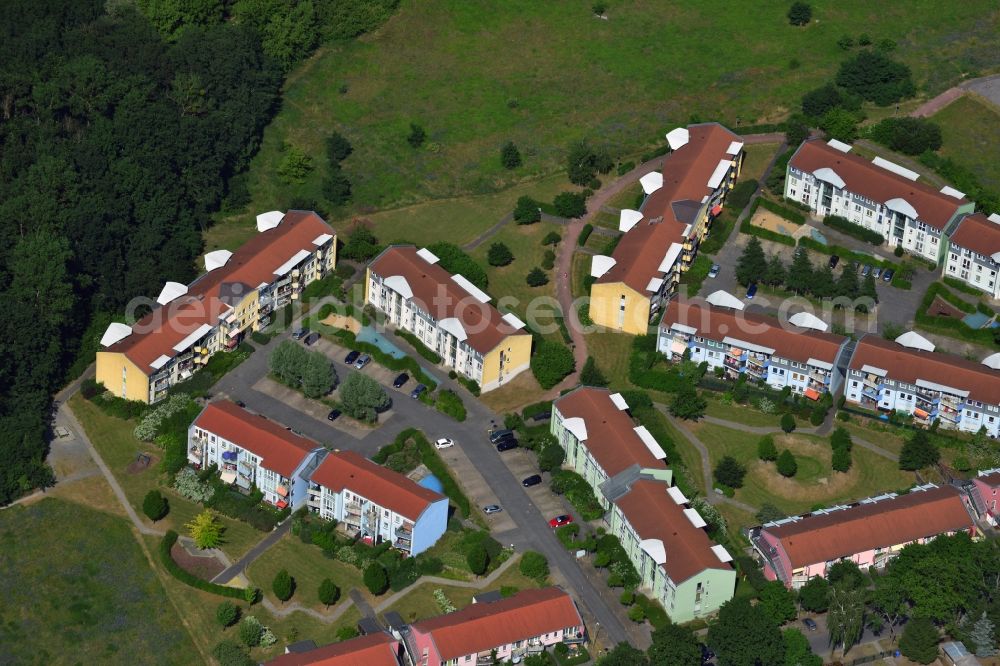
743 634
328 592
205 529
499 255
283 585
362 397
814 596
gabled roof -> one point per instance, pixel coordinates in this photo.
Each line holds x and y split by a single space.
788 341
435 292
876 183
686 172
889 522
281 450
388 489
654 515
253 264
977 233
611 436
372 650
989 477
483 626
908 365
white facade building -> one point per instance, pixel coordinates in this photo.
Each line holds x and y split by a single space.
974 253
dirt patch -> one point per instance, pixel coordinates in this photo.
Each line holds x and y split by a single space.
138 466
343 322
765 219
206 567
942 308
831 485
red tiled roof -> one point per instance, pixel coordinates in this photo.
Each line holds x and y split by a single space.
686 172
787 341
251 265
441 297
977 233
654 515
280 450
908 365
989 479
611 438
917 515
388 489
862 177
371 650
481 627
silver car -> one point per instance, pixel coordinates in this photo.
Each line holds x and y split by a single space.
492 508
362 361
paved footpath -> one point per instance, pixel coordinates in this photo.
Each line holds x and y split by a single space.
240 566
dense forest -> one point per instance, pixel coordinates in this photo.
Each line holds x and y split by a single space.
123 127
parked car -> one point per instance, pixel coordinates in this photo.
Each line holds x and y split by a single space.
362 361
333 415
240 403
887 276
707 654
834 260
559 521
351 357
714 271
497 435
311 338
866 270
506 445
876 272
810 624
752 290
417 390
299 333
532 480
492 508
444 443
400 380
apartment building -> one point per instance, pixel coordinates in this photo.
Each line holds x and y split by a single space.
378 649
985 494
251 451
974 252
449 315
879 195
665 539
868 533
376 503
509 629
908 376
236 295
755 346
661 238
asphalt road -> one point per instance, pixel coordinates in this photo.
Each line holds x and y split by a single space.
532 529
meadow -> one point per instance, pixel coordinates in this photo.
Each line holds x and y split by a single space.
970 127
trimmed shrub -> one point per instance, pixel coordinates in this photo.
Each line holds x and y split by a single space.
166 544
845 226
422 349
584 234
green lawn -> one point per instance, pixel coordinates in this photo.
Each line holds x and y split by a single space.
626 198
77 588
971 132
757 158
118 447
541 74
738 413
611 350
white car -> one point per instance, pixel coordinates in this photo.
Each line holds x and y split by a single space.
444 443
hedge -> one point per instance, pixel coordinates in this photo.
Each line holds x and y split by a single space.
766 234
577 492
793 216
845 226
399 364
955 283
656 152
430 458
422 349
544 407
584 234
845 254
188 578
938 289
763 128
471 385
448 402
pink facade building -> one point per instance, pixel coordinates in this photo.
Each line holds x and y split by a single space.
379 649
515 627
986 495
869 533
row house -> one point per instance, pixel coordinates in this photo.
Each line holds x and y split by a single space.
908 376
490 632
878 195
661 239
253 452
799 353
449 315
235 295
377 504
974 253
868 533
377 649
985 494
626 467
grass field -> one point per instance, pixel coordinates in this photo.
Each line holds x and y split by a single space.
507 283
757 158
476 74
971 132
114 440
77 588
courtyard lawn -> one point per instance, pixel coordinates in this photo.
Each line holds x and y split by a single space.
77 588
628 197
739 413
882 435
521 391
611 351
113 439
757 158
971 130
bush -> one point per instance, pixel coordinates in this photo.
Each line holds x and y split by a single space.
876 77
375 579
551 238
226 614
549 260
550 457
294 166
527 211
168 541
918 452
361 245
583 163
417 136
551 362
448 402
800 13
536 277
362 397
154 505
578 492
454 260
570 205
584 234
534 565
230 654
510 156
688 404
471 385
786 464
845 226
910 136
729 472
251 631
787 422
499 255
478 559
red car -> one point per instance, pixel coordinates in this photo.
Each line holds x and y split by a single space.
559 521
